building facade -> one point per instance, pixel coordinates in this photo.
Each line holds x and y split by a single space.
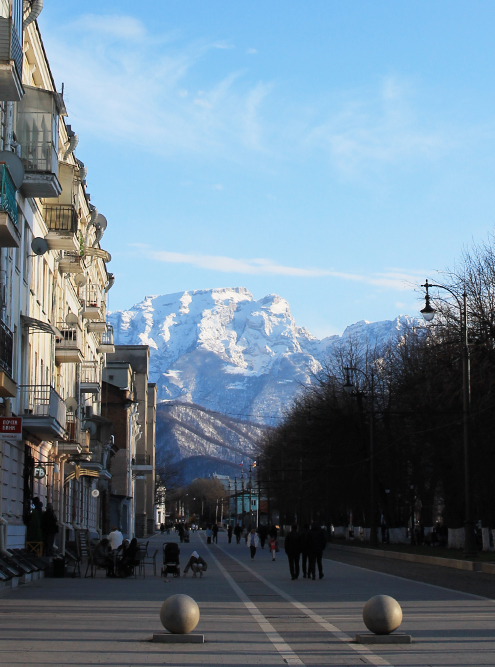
54 279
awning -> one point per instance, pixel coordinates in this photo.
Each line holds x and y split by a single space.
39 325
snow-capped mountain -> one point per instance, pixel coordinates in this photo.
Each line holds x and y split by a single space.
223 350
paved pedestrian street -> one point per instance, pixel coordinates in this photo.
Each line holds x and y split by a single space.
251 614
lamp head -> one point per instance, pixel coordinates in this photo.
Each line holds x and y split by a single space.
428 312
349 385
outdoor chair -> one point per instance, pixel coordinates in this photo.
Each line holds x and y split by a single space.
150 560
140 567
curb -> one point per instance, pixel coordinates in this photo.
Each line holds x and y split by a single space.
454 563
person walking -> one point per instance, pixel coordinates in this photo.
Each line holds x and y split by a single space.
209 533
273 546
238 533
263 533
49 527
316 543
304 549
214 531
229 533
253 542
293 550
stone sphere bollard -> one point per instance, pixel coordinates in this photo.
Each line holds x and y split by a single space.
382 615
179 614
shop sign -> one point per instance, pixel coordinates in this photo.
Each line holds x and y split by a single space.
11 428
39 472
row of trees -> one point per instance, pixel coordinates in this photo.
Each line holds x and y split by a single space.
316 463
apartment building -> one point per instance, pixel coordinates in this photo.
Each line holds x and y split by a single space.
55 443
133 467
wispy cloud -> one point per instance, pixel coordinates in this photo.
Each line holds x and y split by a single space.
128 84
251 51
393 279
377 127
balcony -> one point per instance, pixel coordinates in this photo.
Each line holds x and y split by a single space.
97 327
8 387
11 89
91 302
69 348
43 412
106 345
10 236
62 223
71 262
37 133
90 381
142 464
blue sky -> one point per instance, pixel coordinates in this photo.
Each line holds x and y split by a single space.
335 153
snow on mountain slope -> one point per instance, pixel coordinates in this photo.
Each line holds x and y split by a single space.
231 354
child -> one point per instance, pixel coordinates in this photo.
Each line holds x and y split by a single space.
273 546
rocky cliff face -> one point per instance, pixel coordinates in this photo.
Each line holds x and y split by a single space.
237 357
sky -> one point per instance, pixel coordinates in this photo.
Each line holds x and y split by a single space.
335 153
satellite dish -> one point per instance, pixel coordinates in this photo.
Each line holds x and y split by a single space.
101 221
71 404
89 426
15 167
39 246
71 318
95 493
79 279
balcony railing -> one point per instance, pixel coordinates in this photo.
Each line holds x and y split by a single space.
71 337
6 347
72 427
7 194
61 219
141 460
91 295
107 336
90 372
43 401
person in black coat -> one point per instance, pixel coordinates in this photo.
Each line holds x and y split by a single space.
238 533
293 550
317 541
230 530
263 533
304 549
214 530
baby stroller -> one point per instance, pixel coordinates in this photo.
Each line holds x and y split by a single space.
171 561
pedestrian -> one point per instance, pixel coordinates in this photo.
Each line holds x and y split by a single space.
229 533
49 527
263 533
162 528
273 546
253 542
273 531
238 533
293 550
316 543
215 532
197 564
209 533
304 549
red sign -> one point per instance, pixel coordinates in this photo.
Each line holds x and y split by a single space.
11 428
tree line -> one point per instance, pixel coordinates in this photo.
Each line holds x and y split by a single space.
315 465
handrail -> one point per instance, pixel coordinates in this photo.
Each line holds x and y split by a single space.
6 348
7 194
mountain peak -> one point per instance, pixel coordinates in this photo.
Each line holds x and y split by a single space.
224 350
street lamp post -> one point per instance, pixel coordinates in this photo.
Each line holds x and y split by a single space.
351 389
428 313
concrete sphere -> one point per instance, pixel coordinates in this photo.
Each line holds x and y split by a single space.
179 614
382 615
